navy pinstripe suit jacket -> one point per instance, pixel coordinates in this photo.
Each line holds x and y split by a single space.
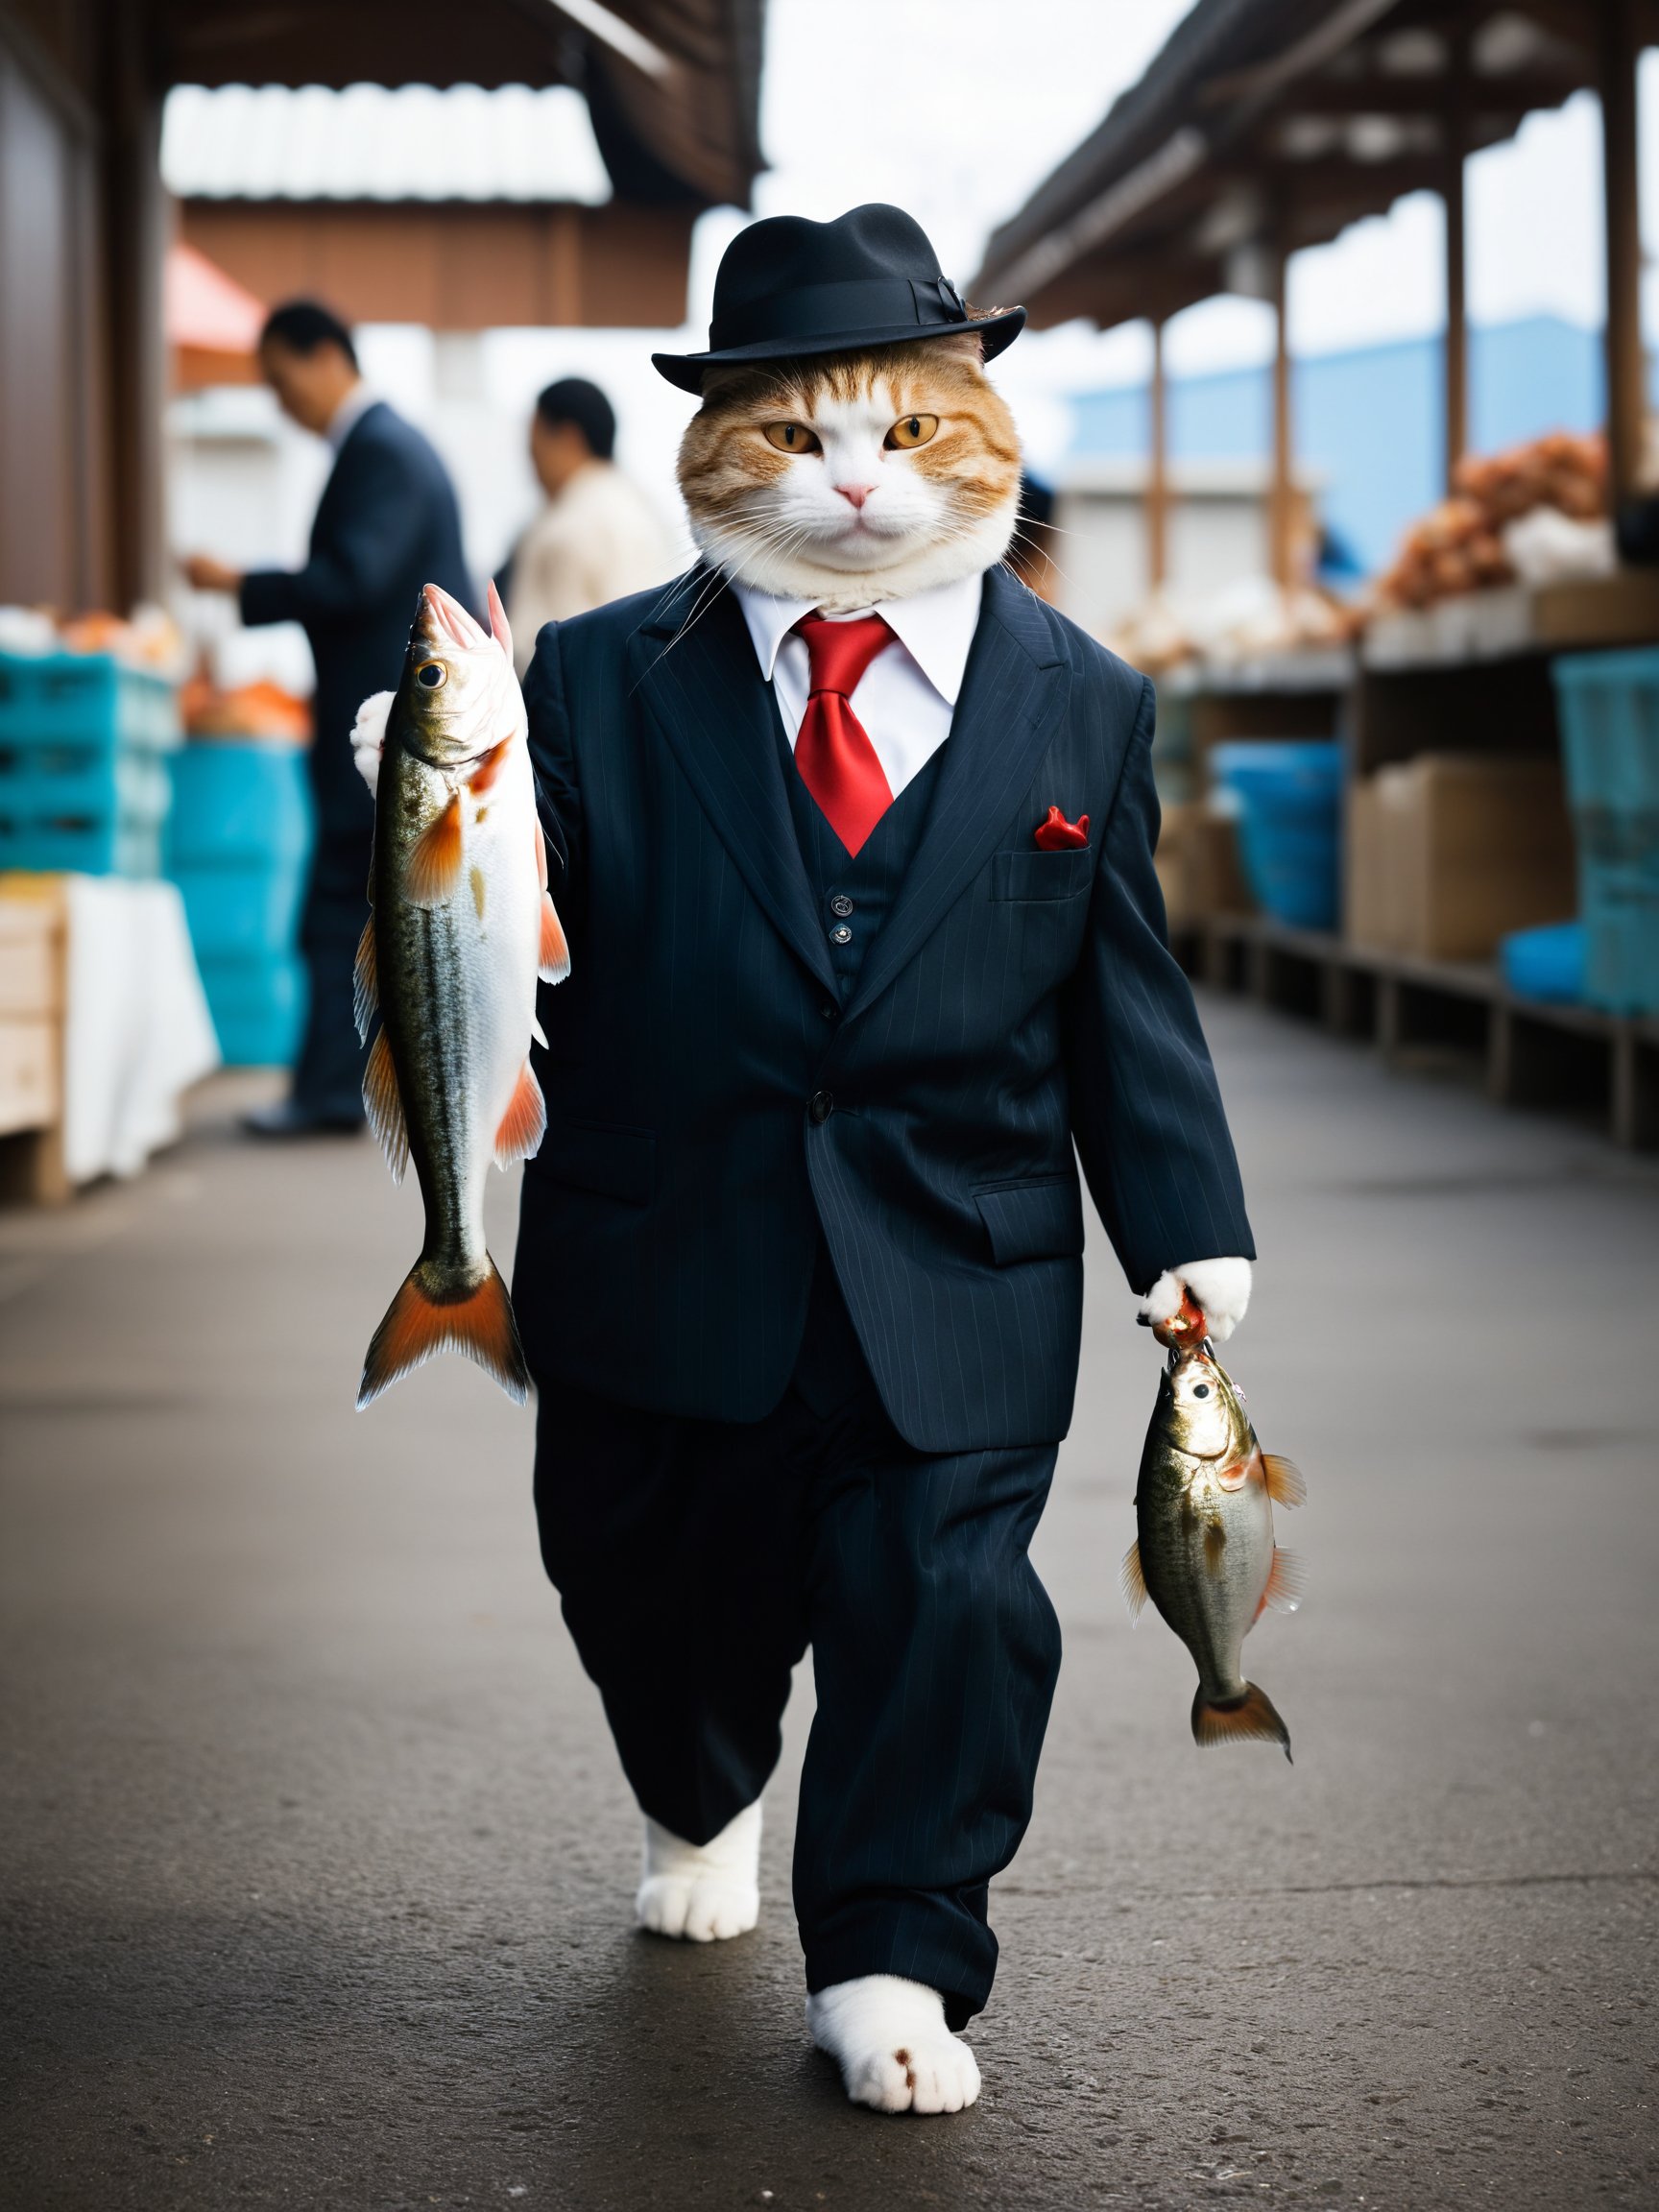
1014 1002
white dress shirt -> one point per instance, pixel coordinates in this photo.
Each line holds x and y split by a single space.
906 697
348 414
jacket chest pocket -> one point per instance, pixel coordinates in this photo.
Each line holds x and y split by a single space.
1049 894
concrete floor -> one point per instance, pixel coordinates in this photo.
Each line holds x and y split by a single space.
315 1863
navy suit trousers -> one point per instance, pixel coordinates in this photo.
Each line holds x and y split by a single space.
698 1560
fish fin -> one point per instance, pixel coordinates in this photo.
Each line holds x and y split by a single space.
484 776
553 956
541 857
538 1032
1286 1581
434 865
1238 1719
1284 1483
426 1317
383 1102
524 1123
364 981
498 629
1134 1581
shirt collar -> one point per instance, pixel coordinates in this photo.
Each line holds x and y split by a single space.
936 627
348 414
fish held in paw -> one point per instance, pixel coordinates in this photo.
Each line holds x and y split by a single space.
889 2038
702 1892
461 925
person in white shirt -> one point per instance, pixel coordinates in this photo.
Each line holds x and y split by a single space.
598 536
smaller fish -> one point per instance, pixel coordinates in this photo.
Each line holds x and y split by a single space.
1205 1555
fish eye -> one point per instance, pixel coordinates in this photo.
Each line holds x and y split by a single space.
1201 1391
791 437
912 430
431 675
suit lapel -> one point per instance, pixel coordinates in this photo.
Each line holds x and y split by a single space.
698 674
1012 695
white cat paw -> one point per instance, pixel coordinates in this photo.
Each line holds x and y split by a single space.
889 2038
701 1892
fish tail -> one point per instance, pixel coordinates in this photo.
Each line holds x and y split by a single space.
1236 1720
432 1313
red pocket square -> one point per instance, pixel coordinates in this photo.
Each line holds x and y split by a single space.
1058 835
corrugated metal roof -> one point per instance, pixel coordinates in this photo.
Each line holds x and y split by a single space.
270 142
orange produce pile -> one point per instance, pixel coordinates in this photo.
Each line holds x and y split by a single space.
262 709
1458 545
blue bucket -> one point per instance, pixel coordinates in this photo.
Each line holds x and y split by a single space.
1546 963
1289 797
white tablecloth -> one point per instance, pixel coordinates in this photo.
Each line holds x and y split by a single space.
136 1029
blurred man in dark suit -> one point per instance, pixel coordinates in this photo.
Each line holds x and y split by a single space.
386 525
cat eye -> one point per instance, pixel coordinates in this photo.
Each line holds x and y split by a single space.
912 430
792 437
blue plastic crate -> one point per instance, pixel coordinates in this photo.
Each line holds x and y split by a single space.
1546 963
84 780
1289 797
242 800
1609 714
240 911
86 696
259 1008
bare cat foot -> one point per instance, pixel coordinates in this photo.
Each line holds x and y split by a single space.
701 1891
889 2038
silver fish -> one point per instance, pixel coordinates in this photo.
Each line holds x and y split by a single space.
1205 1555
462 924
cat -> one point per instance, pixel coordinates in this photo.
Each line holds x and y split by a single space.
844 480
770 464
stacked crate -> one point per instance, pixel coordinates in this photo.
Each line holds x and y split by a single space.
239 839
1609 705
84 746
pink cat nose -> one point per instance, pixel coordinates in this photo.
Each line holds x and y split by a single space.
855 494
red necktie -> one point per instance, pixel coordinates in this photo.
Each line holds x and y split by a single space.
832 752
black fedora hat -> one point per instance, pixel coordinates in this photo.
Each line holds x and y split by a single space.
787 287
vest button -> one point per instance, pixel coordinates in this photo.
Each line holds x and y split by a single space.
829 1011
841 905
841 934
820 1107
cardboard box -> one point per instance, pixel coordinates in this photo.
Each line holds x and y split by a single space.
1198 865
1366 916
1448 853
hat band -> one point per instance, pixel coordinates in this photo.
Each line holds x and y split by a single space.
820 310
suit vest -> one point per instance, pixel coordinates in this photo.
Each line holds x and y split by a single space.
854 894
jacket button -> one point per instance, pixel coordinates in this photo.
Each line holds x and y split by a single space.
841 934
820 1107
829 1011
841 905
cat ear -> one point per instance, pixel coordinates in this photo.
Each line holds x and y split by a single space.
965 344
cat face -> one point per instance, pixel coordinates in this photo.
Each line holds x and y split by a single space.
853 477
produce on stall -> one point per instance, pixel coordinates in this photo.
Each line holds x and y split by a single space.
1486 534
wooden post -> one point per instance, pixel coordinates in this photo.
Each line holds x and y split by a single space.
1280 550
1158 472
1453 125
1625 400
136 221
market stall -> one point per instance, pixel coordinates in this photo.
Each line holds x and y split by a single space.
1374 812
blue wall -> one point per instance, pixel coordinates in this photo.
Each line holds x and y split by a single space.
1368 423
